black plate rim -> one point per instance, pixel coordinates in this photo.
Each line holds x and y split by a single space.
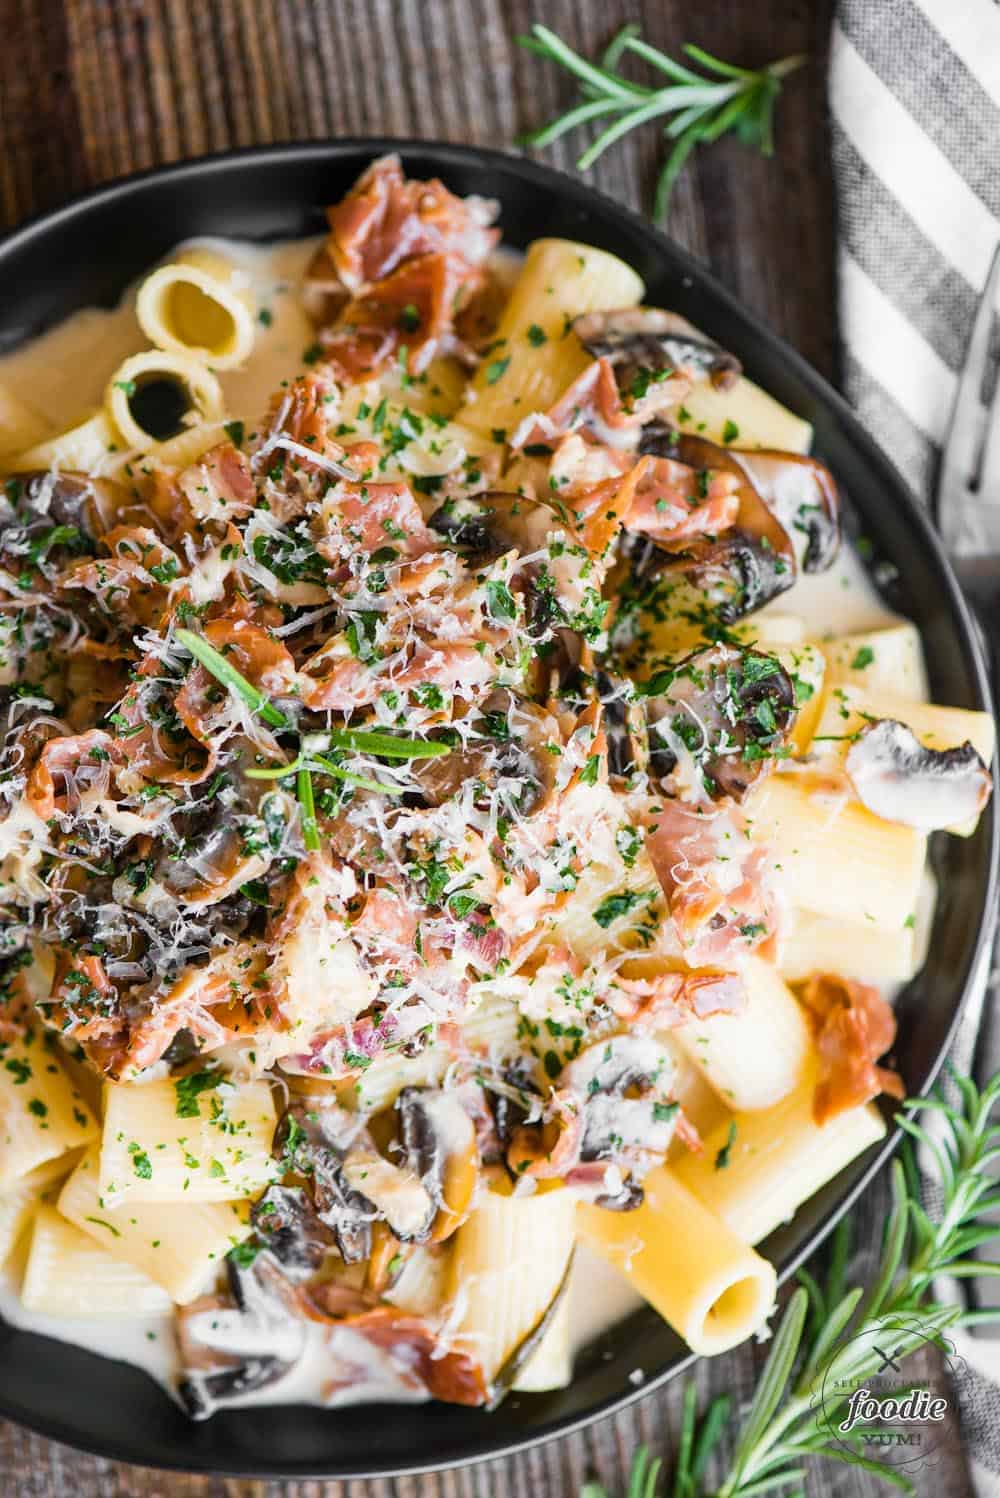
190 170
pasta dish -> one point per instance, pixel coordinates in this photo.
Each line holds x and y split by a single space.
464 816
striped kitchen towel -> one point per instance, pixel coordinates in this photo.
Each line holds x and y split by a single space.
915 105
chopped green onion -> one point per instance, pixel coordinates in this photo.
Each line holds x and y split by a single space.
388 745
304 789
228 675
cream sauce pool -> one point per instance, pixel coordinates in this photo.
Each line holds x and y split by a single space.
61 377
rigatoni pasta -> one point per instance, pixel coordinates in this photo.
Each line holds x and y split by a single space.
199 303
67 1274
161 1145
444 822
154 396
713 1289
758 1168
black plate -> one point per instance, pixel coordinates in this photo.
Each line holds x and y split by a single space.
86 253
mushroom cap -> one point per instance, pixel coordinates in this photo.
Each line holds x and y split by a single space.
439 1140
232 1348
314 1140
803 495
487 525
625 1085
507 756
899 779
749 563
647 338
721 719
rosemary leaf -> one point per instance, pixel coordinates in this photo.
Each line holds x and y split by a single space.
388 745
310 831
329 767
227 674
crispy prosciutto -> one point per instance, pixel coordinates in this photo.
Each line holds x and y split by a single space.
402 261
409 316
854 1027
386 219
720 888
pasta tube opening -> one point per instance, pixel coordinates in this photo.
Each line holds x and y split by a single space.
195 305
745 1301
155 396
714 1290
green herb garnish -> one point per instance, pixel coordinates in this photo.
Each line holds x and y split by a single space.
701 109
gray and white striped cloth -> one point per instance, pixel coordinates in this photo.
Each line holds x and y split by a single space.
915 105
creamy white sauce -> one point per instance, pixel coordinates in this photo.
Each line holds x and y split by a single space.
148 1342
61 377
841 601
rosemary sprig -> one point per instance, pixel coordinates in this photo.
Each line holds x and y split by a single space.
387 745
328 766
827 1334
701 109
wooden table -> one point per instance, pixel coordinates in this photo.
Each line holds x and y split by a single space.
91 89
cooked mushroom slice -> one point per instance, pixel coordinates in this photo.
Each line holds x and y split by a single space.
388 1259
284 1219
72 502
743 568
234 1346
485 526
901 780
213 863
719 720
439 1142
508 757
803 495
645 339
312 1140
510 1096
629 1115
623 726
395 1192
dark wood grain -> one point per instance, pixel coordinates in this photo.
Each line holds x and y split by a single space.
90 89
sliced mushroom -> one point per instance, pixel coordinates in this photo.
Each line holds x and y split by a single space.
508 757
234 1346
623 726
485 526
288 1225
629 1115
439 1140
36 501
396 1193
510 1096
899 779
213 863
388 1259
313 1141
718 721
740 570
803 494
610 1118
645 339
